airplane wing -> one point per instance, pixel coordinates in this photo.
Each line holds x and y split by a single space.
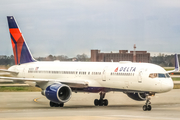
176 65
70 83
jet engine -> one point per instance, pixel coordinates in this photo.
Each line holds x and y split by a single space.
137 96
58 93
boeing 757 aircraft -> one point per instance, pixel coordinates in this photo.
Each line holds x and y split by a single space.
59 79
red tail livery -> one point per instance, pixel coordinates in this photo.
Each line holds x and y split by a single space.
20 48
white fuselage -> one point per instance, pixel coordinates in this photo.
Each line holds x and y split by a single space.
116 76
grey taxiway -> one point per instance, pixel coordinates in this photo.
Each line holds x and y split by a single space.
32 105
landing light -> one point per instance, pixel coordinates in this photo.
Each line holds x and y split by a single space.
151 94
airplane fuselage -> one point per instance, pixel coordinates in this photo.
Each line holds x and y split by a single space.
110 76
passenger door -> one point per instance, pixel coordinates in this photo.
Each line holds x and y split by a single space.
140 75
104 74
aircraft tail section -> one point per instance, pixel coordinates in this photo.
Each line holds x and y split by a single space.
21 51
176 63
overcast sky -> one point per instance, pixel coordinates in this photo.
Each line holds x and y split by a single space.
71 27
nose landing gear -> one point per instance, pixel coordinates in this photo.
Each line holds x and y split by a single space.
101 101
147 105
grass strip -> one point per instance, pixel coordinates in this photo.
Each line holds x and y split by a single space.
176 87
19 89
175 78
168 69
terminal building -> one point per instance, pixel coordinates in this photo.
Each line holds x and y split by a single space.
123 55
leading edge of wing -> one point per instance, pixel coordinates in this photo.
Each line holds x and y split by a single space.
71 83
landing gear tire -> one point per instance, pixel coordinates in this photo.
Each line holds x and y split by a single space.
147 106
144 107
96 102
52 104
61 105
105 102
101 101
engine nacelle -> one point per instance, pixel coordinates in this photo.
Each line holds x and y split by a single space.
137 96
58 93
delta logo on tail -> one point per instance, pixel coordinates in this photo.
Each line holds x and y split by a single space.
20 49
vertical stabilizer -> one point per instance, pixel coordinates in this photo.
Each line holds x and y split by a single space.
176 63
21 51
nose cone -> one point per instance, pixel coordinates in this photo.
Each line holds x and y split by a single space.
167 85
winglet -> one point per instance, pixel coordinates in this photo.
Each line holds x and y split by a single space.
176 64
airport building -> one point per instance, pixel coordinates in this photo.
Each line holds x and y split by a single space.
122 55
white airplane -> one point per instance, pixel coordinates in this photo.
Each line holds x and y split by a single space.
59 79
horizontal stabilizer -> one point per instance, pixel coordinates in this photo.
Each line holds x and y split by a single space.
5 72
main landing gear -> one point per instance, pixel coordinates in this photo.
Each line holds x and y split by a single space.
52 104
147 105
101 101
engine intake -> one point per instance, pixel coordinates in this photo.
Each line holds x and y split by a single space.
58 93
137 96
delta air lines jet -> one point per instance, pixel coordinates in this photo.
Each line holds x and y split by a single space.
59 79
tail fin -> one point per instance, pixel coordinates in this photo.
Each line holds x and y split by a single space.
21 51
176 65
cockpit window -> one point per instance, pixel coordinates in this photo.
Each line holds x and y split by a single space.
167 75
153 75
160 75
